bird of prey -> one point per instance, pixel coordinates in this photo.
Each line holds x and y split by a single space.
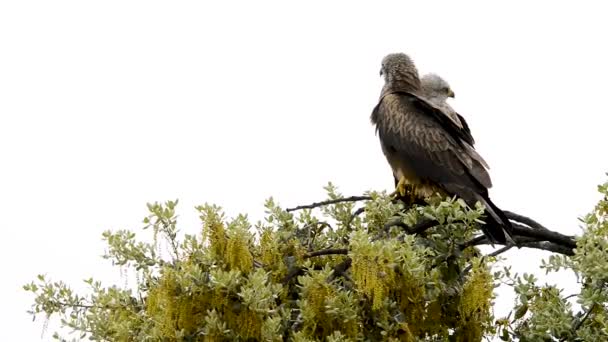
426 149
437 91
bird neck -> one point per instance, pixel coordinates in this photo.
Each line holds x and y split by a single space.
401 85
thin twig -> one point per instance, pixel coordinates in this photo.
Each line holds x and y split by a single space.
580 323
328 202
355 214
500 251
478 240
493 254
319 228
582 320
82 306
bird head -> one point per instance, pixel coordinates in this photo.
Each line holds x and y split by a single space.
437 87
399 67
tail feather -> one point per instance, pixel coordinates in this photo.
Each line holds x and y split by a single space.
498 228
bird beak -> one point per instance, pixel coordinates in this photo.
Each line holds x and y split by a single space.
451 94
381 72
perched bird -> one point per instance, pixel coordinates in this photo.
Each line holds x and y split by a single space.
437 91
426 149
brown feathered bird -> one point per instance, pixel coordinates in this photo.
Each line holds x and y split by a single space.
426 150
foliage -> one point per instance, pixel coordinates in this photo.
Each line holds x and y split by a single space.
543 312
328 274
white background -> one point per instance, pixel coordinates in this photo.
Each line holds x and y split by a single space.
105 106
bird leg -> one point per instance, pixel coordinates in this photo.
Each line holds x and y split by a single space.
403 190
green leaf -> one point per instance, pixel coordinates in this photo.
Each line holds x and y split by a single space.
520 312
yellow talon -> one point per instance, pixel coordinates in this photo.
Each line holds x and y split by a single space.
403 190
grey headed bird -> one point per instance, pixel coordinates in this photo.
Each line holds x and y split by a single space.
437 91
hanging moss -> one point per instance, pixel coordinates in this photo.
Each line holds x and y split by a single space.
372 268
475 304
238 255
410 295
214 231
162 305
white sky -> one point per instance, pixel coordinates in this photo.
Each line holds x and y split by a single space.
105 106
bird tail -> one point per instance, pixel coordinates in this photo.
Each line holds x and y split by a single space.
498 228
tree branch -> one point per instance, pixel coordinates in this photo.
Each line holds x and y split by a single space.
524 219
418 228
500 251
341 268
537 237
544 235
493 254
526 231
522 241
355 214
549 246
327 252
328 202
476 241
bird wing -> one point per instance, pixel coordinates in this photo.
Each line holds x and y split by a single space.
428 140
465 126
428 143
479 162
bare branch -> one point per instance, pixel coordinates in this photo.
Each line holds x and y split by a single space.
355 214
522 241
418 228
580 323
327 252
476 241
500 251
524 219
328 202
82 306
549 246
544 235
493 254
